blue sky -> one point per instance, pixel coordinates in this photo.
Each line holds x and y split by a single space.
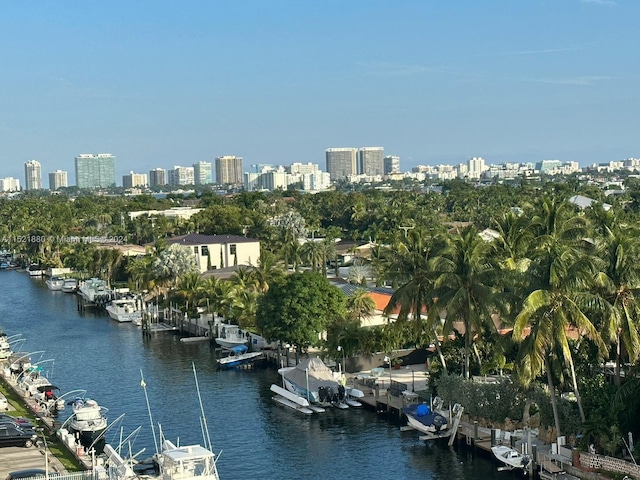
161 83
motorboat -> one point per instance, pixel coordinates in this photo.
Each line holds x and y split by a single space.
55 283
421 417
511 458
87 422
5 346
313 381
70 285
95 291
35 270
31 378
125 310
237 356
49 402
230 336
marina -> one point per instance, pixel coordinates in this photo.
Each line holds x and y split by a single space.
239 408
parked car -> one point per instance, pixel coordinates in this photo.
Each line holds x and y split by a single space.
21 420
22 426
28 473
16 437
4 404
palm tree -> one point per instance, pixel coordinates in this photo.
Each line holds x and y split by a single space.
618 283
463 286
409 264
559 279
360 305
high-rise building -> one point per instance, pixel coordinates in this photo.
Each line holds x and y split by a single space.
341 162
32 175
95 171
371 160
9 184
475 167
391 164
181 176
229 170
58 179
203 173
157 177
134 180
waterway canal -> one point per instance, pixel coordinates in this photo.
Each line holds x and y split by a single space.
255 437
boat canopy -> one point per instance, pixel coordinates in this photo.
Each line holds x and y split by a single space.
313 371
240 349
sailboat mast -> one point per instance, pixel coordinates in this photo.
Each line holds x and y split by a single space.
153 430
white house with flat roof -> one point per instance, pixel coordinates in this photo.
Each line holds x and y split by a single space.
213 252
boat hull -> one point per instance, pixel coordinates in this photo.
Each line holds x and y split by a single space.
238 360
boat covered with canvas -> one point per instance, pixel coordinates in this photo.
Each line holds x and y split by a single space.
238 356
421 417
313 381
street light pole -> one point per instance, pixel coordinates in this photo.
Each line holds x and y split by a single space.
340 349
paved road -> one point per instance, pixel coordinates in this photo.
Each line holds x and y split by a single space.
19 458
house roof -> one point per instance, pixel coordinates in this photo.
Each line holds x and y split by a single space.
199 239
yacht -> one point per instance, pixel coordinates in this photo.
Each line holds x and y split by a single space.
70 285
125 310
55 283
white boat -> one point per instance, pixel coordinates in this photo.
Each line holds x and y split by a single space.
511 458
187 462
95 291
5 346
55 283
35 270
315 382
238 356
231 336
70 285
87 422
125 310
422 418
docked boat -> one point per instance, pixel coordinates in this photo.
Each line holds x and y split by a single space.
231 336
424 419
5 346
88 421
35 270
70 285
95 292
313 381
55 283
238 356
125 310
511 458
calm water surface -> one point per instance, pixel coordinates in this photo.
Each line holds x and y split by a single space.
255 437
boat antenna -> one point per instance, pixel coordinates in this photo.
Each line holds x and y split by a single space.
203 419
153 430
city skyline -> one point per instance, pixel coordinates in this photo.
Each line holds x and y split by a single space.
434 82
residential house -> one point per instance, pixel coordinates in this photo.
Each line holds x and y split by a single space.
220 251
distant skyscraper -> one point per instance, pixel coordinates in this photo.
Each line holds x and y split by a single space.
134 180
391 164
95 171
475 167
203 173
32 175
58 179
371 161
9 184
341 162
157 177
229 170
181 176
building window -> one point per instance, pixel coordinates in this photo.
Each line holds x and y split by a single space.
195 250
232 249
205 250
